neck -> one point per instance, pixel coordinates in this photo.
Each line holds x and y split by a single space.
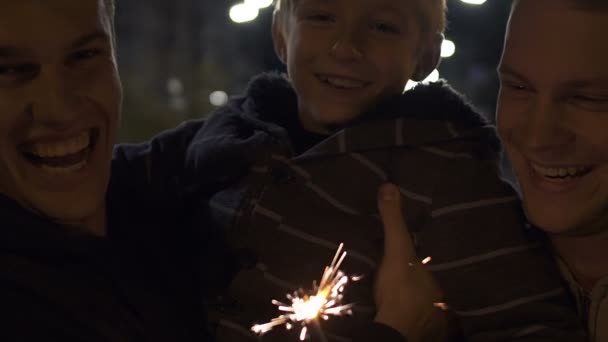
94 225
586 257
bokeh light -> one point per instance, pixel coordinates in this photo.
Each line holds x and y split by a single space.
218 98
245 12
474 2
448 48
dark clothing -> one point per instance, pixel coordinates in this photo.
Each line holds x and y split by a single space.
136 284
286 212
143 282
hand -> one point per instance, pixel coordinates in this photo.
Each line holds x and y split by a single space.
405 292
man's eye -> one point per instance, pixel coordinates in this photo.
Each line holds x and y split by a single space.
591 99
385 27
515 86
84 55
16 72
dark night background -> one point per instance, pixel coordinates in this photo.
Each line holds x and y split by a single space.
174 54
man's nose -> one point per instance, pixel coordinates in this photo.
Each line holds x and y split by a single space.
53 100
545 130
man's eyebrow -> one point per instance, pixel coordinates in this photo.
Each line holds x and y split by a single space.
91 37
505 70
11 51
594 83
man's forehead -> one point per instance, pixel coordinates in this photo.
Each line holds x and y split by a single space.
545 23
552 42
39 24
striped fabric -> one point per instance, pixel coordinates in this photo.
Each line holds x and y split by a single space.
298 209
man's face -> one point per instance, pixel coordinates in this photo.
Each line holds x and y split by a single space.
60 102
345 55
553 113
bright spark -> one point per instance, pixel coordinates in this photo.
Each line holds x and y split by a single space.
325 302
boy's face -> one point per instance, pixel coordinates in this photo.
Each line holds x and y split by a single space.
60 102
553 113
343 56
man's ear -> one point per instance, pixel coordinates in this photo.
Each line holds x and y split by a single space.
429 58
278 37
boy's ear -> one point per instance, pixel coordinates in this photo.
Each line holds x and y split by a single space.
278 38
429 58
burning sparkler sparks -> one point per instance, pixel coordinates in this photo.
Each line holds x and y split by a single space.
325 302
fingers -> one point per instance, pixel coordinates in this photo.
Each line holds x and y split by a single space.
398 244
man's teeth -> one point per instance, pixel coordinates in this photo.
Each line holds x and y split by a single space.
342 82
63 170
561 172
62 148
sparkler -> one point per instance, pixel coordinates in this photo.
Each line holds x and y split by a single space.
325 302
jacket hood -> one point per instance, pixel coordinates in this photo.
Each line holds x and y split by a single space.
426 115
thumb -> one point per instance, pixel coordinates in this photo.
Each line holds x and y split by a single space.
398 244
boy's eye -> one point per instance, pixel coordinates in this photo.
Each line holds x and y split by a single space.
17 72
385 27
320 18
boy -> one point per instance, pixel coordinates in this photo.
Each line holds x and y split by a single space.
322 142
553 117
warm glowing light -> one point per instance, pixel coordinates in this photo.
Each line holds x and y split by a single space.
325 302
433 77
448 49
474 2
259 3
218 98
242 13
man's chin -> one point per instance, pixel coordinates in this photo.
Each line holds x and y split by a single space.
74 212
570 227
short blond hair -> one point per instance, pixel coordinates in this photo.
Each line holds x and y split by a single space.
433 11
585 5
110 9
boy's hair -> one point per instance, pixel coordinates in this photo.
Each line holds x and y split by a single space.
434 12
584 5
110 8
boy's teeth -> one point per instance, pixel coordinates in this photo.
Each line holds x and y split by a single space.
562 172
343 82
62 148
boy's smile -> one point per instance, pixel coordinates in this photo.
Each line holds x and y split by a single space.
342 82
344 56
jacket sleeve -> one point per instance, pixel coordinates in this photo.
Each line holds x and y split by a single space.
191 161
158 165
501 284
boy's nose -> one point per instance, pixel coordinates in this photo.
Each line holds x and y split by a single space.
347 47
